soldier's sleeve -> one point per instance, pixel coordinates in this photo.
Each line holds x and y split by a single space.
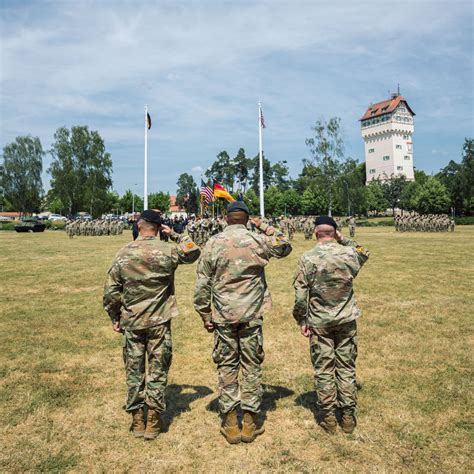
203 288
302 287
275 243
362 253
187 250
112 299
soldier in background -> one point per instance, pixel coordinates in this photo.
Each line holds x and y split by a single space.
139 298
352 226
231 296
326 311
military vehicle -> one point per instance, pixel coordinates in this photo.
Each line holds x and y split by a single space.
30 224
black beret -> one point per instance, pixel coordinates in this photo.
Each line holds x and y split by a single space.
325 220
151 216
236 206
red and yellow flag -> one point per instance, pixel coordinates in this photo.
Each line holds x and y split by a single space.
221 192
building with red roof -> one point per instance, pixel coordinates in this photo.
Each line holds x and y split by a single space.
387 129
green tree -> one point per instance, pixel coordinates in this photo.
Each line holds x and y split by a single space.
222 171
267 173
187 195
452 178
242 165
280 175
130 203
313 201
392 189
468 175
409 195
291 202
375 197
159 200
20 177
111 203
252 201
327 151
81 170
432 197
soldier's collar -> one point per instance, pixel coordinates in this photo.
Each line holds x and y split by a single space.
147 237
235 226
324 242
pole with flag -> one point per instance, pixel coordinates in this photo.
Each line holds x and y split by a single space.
261 125
145 179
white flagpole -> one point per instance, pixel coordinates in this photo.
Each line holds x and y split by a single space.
145 182
262 204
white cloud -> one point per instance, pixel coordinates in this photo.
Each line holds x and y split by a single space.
202 66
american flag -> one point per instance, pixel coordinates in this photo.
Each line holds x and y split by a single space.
262 120
207 195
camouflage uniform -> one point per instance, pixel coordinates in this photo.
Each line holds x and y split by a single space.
325 302
352 227
231 274
139 292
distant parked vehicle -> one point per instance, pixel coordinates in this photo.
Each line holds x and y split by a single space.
30 224
57 217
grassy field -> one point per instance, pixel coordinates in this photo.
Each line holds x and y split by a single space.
62 380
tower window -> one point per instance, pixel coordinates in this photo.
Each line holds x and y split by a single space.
405 137
406 157
386 158
400 168
372 171
398 147
371 150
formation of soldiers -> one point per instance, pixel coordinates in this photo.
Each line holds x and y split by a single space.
94 227
414 222
200 229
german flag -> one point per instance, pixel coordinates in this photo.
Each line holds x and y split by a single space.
221 192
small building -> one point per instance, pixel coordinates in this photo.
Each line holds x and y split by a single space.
387 129
176 210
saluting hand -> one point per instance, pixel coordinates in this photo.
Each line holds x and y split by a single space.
256 221
339 236
166 230
116 326
305 331
209 327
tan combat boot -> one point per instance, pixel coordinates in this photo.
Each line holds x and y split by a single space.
348 423
230 427
152 424
249 427
329 424
138 423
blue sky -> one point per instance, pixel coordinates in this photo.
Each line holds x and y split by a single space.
201 66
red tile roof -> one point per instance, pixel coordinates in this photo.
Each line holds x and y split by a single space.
174 207
385 107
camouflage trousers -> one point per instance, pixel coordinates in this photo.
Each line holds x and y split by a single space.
352 231
239 346
155 344
333 355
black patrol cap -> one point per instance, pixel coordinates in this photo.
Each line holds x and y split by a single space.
325 220
236 206
151 216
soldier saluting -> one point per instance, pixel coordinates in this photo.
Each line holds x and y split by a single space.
326 310
231 296
139 298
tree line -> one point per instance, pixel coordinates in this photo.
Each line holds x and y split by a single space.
329 181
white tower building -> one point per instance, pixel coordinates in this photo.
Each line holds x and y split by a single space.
387 129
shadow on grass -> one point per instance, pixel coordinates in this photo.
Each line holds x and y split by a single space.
179 399
271 394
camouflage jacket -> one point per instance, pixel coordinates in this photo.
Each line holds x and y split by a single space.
139 289
231 286
324 296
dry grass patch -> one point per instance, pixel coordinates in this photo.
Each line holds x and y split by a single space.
62 381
